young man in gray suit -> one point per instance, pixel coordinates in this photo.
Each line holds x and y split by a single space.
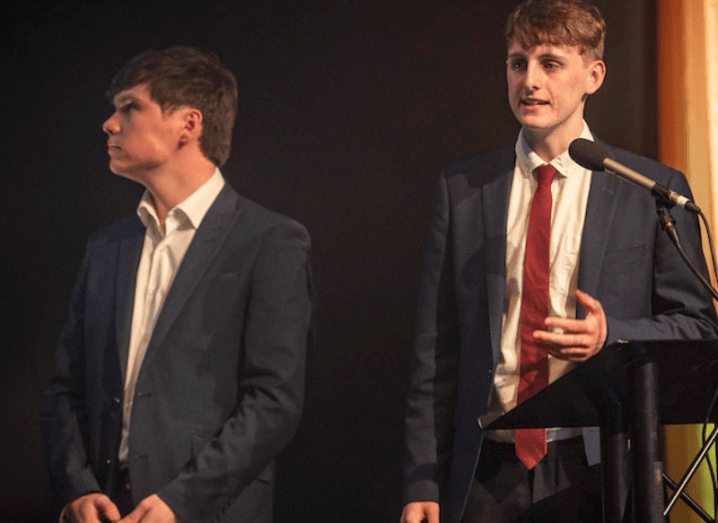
180 371
534 263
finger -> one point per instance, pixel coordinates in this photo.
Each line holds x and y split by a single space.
575 349
109 509
571 347
407 517
563 341
591 304
413 514
432 513
567 324
569 352
132 517
144 512
88 508
596 313
87 515
417 512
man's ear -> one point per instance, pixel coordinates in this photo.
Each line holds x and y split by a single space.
191 125
596 74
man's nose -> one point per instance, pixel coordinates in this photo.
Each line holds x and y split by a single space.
534 77
111 125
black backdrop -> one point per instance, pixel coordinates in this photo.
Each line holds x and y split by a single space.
348 111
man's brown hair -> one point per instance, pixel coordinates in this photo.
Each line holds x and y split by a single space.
558 22
185 76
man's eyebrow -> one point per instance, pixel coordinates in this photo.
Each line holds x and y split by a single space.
543 56
515 57
123 98
551 56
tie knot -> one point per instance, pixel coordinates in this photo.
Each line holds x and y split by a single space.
545 174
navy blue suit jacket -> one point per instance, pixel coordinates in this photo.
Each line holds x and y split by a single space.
626 262
221 387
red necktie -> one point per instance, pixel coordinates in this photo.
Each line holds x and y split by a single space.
531 443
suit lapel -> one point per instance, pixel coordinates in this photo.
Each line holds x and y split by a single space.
206 243
128 260
600 212
495 205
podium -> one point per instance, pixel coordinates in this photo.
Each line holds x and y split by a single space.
628 390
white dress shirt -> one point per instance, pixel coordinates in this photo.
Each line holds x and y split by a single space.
162 254
570 190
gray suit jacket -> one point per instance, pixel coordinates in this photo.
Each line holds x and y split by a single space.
626 262
221 387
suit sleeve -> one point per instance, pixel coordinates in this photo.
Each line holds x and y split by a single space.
277 328
680 307
63 419
429 418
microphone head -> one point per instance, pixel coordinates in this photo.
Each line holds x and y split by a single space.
588 154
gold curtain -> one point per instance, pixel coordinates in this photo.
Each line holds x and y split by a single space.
688 141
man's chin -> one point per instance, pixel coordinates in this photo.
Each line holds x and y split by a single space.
534 129
124 173
534 123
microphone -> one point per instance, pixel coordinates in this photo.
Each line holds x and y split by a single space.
595 157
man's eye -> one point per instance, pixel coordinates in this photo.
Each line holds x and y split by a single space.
551 65
517 65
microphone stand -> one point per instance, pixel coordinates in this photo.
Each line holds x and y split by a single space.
668 225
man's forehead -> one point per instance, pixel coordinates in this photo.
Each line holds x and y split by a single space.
542 48
131 94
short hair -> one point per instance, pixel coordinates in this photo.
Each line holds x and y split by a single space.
185 76
558 22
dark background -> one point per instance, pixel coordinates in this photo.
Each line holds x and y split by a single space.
348 112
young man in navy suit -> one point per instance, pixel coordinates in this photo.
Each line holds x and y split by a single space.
180 371
610 273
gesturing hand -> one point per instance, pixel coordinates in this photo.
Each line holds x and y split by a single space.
580 339
151 510
91 508
419 511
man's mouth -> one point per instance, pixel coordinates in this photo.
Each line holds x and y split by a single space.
533 103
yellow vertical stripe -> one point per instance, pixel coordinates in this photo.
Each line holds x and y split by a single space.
688 131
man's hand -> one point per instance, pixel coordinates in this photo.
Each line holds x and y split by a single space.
418 511
580 339
151 510
91 508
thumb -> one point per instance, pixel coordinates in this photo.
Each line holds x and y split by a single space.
133 517
109 509
591 304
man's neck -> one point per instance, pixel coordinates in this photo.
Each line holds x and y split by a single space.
171 187
549 145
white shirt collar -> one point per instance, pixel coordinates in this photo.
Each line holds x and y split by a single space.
190 212
528 160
